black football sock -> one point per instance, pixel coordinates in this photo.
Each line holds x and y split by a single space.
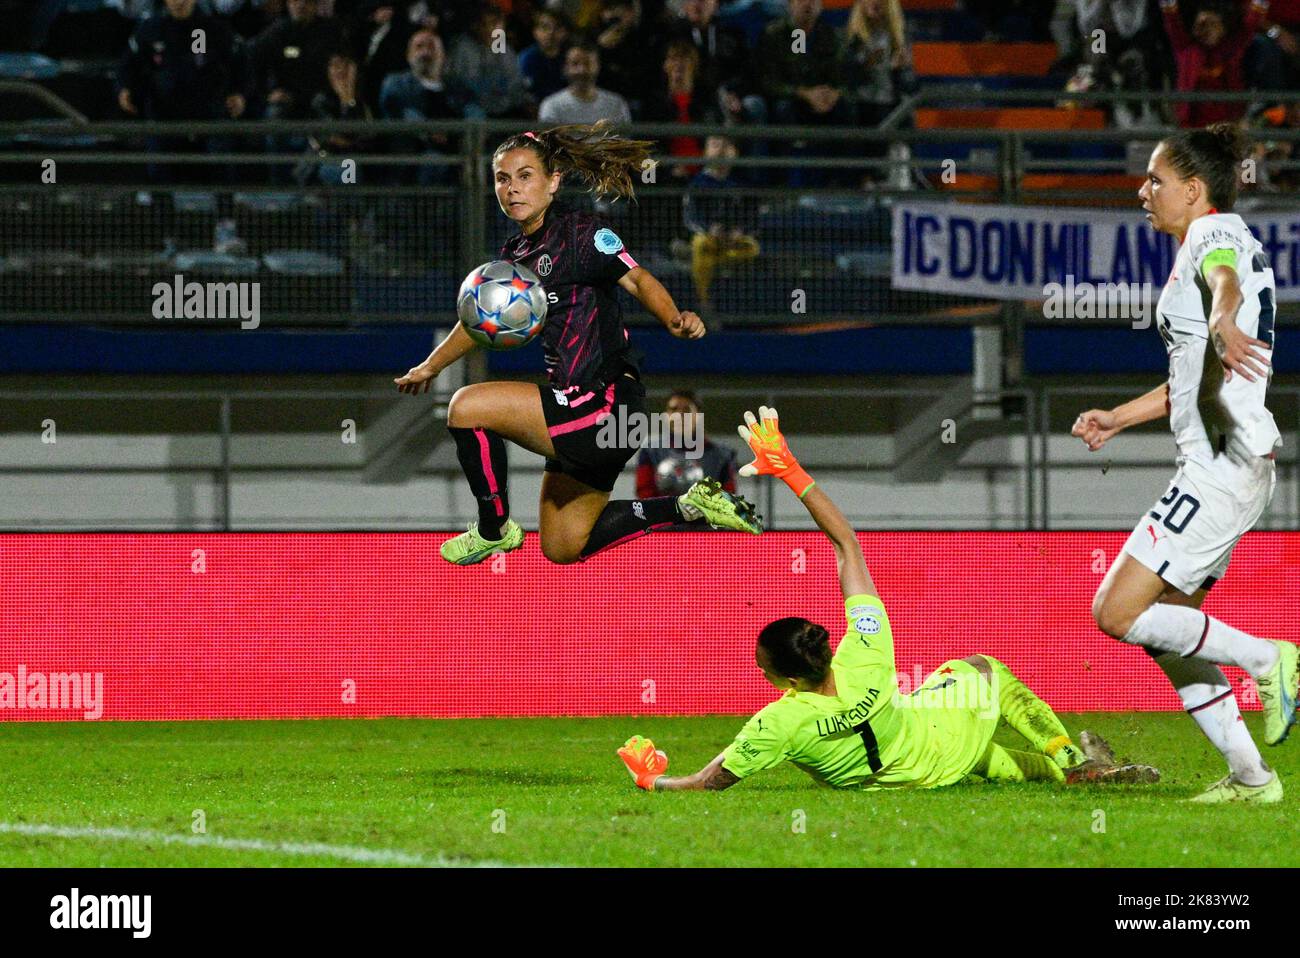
482 454
626 519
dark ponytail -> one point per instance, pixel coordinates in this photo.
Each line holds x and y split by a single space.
1212 155
607 163
797 648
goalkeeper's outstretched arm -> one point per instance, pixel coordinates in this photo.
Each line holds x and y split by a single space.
854 577
772 457
647 765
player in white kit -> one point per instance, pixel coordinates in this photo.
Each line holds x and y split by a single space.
1220 294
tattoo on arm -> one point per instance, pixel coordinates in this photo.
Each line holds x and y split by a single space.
712 778
718 779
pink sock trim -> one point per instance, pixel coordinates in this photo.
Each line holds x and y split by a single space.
485 457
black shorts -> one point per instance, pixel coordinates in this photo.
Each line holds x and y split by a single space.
575 419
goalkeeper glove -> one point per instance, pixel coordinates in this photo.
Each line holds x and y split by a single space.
644 762
772 456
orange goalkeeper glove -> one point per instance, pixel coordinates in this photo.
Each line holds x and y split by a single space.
772 457
644 762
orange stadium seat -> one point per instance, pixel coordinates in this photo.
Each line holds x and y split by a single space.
1010 118
983 59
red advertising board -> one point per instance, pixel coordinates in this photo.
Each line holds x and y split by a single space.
296 625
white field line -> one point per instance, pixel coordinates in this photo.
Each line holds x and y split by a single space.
350 853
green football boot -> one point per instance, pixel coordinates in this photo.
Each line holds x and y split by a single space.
721 509
1277 694
1228 790
469 547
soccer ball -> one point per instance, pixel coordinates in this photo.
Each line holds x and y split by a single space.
501 305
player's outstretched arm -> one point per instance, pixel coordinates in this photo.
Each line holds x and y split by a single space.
647 765
454 347
650 293
772 457
1097 426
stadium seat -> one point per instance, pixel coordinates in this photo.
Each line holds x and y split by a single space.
302 262
1010 118
982 59
27 66
194 201
208 263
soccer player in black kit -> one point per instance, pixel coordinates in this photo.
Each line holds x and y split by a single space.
592 368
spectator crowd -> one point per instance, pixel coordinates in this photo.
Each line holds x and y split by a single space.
1194 46
666 61
566 61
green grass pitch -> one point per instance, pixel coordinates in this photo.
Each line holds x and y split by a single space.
552 792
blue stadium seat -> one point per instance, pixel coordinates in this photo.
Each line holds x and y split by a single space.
866 263
194 201
27 66
270 201
208 263
302 262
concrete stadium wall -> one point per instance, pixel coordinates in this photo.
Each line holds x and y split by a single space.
315 482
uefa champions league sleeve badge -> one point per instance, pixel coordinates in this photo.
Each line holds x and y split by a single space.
607 241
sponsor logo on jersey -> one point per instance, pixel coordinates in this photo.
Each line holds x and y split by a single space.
544 265
560 398
607 241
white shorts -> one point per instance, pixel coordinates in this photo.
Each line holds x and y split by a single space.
1188 536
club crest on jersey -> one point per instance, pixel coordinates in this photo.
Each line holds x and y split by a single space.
544 265
607 241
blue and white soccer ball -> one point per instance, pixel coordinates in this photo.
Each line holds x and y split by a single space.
501 305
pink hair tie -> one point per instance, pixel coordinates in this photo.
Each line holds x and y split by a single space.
530 134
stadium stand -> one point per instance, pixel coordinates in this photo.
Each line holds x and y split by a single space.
352 276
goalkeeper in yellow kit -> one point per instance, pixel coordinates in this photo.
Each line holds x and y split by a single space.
842 719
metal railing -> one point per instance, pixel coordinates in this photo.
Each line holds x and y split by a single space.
450 228
1287 459
1033 464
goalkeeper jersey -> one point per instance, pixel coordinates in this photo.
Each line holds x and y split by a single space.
867 735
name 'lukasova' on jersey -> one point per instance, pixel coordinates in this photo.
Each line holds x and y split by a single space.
580 261
1209 416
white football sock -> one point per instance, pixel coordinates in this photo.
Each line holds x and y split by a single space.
1192 633
1208 699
